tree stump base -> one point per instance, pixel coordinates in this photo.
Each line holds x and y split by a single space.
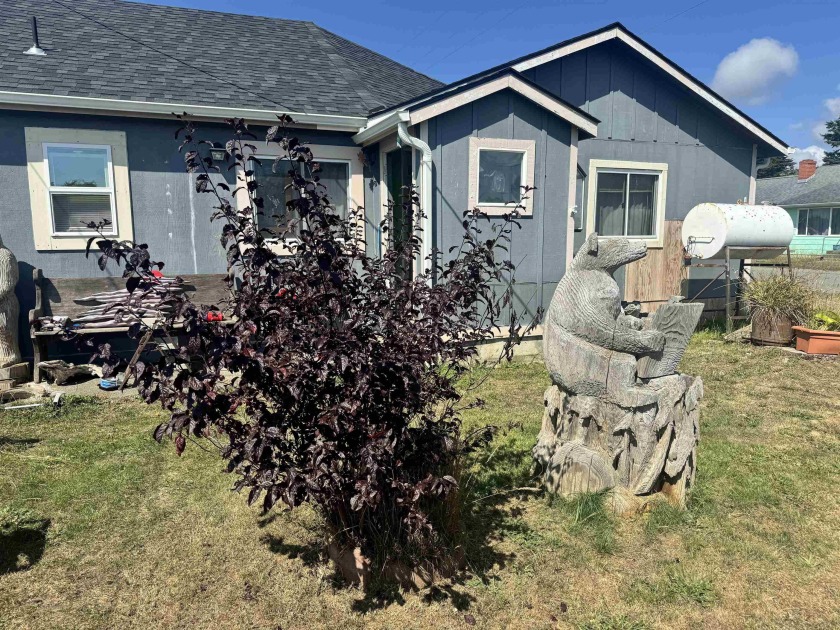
588 444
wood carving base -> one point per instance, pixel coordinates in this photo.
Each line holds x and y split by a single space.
587 444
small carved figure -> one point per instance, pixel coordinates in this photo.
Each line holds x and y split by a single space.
9 308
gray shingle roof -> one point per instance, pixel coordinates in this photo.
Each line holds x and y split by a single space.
823 187
254 62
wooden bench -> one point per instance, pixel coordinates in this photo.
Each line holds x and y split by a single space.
57 297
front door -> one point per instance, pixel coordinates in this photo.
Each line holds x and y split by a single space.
398 176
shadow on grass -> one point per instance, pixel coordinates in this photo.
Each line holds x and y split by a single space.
485 518
22 545
16 444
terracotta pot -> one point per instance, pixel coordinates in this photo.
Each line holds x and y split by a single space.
817 341
771 329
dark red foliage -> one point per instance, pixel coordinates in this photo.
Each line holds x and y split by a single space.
337 383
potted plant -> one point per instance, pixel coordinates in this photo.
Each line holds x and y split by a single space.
823 338
776 304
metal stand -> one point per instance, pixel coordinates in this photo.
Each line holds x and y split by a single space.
742 254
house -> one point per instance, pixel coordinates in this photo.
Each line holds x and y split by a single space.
614 136
812 197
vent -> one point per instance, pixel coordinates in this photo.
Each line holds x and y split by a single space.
36 44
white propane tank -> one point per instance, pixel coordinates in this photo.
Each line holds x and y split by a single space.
710 227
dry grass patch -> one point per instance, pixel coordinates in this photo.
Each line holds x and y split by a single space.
105 528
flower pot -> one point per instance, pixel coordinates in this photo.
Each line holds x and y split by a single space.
817 341
771 329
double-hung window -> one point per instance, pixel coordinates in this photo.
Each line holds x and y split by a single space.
628 199
80 188
274 180
77 177
818 222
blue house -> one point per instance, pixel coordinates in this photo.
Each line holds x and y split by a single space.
614 136
812 197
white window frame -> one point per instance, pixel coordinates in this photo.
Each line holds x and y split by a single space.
660 169
80 190
526 147
833 230
321 153
38 139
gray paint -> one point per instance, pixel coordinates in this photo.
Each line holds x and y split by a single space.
646 116
538 248
167 212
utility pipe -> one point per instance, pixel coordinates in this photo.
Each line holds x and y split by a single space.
425 186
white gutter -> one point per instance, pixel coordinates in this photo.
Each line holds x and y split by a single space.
425 185
378 128
155 108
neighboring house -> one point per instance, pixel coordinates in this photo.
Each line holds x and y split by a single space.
812 197
615 137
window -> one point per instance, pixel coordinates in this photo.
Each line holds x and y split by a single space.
80 187
628 199
76 177
500 176
818 222
499 168
273 178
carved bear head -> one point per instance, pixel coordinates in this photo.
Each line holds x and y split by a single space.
608 254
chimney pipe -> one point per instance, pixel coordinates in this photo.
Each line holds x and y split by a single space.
807 168
36 44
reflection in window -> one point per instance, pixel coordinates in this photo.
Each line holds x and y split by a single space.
274 187
81 189
500 176
818 222
625 204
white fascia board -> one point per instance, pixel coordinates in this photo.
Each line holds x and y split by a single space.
378 128
662 63
516 84
53 102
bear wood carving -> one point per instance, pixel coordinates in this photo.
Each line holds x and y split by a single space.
9 309
603 426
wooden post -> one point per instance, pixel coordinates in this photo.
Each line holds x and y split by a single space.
728 294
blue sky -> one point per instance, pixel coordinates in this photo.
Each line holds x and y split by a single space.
788 80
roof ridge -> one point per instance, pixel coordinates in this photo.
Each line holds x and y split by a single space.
210 11
368 99
378 54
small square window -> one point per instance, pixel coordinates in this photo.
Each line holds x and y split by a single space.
500 176
499 169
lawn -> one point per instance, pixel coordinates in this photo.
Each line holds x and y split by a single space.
107 529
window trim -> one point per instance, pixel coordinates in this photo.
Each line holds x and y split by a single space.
321 153
80 190
40 191
526 147
660 169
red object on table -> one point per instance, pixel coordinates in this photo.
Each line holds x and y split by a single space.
214 316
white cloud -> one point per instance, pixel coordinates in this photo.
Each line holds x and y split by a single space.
796 126
817 131
833 105
808 153
751 73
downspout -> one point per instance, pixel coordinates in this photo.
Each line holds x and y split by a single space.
425 186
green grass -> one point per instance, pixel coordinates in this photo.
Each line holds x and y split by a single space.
100 527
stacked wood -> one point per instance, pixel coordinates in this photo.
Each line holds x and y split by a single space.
119 308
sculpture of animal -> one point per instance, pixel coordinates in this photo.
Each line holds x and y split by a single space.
9 309
590 345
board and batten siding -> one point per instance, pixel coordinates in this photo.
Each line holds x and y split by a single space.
647 117
166 211
538 249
